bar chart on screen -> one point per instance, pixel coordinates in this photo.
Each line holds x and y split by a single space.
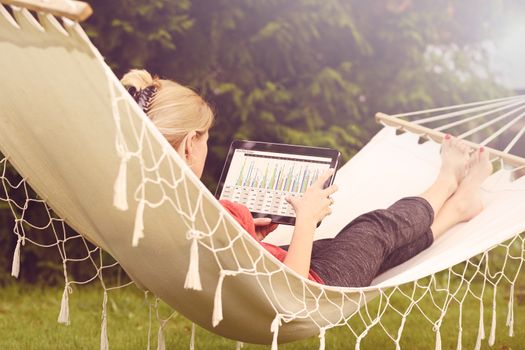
261 180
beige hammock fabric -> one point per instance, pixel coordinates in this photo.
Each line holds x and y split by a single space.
81 142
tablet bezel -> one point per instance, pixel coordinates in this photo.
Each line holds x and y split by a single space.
333 154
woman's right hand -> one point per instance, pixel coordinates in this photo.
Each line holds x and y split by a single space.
315 203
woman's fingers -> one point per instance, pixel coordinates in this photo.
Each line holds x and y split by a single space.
290 200
323 178
330 190
262 221
316 201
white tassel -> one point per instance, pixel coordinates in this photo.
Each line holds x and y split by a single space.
322 334
357 344
510 313
104 344
161 342
438 339
217 303
274 328
492 338
481 329
482 320
400 332
63 316
149 323
239 346
193 279
138 231
460 328
120 192
363 334
15 268
192 339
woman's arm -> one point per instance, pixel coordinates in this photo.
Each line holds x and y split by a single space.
311 208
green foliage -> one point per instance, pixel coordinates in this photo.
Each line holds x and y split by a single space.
40 228
133 32
304 71
296 71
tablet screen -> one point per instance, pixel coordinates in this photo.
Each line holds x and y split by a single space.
261 177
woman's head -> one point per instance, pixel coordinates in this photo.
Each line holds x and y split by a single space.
181 115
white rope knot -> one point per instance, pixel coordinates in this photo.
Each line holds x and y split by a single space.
217 303
194 234
437 329
193 279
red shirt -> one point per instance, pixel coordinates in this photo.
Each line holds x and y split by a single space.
244 217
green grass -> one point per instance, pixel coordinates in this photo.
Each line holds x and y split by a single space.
28 317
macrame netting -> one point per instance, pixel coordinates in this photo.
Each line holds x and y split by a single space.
91 155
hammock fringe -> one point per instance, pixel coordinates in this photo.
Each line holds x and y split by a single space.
15 267
120 197
510 312
322 338
193 279
104 343
138 231
161 341
492 337
63 316
274 328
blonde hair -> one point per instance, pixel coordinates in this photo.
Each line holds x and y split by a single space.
174 109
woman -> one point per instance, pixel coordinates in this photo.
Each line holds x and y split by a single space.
367 246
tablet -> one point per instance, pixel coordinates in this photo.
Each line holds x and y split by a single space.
260 175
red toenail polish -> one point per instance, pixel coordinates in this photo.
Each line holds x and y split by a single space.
481 149
447 136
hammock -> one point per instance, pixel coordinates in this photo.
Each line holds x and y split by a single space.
77 137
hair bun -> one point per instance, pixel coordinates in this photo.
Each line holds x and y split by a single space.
139 79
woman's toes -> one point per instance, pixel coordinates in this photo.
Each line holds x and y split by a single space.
483 154
474 158
484 157
445 145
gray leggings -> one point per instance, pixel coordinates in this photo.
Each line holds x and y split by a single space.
373 243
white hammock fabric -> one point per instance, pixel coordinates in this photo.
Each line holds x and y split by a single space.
71 129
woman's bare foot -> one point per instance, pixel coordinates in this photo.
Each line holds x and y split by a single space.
466 202
467 198
454 160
